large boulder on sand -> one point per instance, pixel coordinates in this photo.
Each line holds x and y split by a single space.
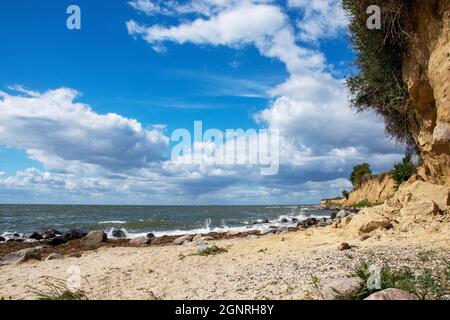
331 288
140 241
22 256
94 238
391 294
368 220
183 239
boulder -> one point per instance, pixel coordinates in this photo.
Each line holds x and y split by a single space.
368 220
35 236
140 241
54 256
342 214
57 241
333 287
118 233
22 256
284 220
94 238
180 240
50 233
344 246
197 237
267 231
333 215
2 239
308 222
74 235
391 294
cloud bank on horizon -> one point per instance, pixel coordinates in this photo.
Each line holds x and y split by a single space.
91 157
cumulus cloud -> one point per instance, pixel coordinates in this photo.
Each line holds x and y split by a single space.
63 134
319 19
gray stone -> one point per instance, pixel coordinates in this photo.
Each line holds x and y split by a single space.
139 241
182 239
35 236
441 133
333 287
268 231
22 256
391 294
95 238
54 256
118 233
342 214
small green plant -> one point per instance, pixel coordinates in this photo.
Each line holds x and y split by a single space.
58 290
211 250
364 204
315 282
360 174
403 171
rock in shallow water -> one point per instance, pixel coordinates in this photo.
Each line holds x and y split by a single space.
35 236
51 233
74 235
118 233
57 241
2 239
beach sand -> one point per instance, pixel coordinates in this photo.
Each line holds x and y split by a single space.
269 267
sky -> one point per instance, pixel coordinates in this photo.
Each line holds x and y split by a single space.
86 115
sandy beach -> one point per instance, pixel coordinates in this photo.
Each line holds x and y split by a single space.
269 267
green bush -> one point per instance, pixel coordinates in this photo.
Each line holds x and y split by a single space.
403 171
377 84
360 174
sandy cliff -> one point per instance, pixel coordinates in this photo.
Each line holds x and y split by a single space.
376 191
426 71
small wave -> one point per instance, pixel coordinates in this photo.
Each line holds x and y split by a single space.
112 222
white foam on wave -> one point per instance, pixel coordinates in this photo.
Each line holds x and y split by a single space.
112 222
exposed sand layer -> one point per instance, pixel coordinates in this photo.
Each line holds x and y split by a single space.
273 267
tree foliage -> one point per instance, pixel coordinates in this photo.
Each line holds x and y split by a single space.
403 170
360 174
378 82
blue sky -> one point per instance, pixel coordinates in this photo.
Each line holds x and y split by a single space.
161 65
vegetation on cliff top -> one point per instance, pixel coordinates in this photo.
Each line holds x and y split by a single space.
360 174
378 83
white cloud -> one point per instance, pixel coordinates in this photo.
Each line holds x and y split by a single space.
320 19
66 135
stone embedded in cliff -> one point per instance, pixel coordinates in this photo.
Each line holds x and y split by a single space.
368 220
441 133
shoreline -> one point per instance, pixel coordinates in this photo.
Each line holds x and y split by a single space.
276 266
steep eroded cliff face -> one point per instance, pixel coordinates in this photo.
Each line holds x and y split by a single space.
426 71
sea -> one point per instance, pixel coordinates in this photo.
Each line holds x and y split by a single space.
159 220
